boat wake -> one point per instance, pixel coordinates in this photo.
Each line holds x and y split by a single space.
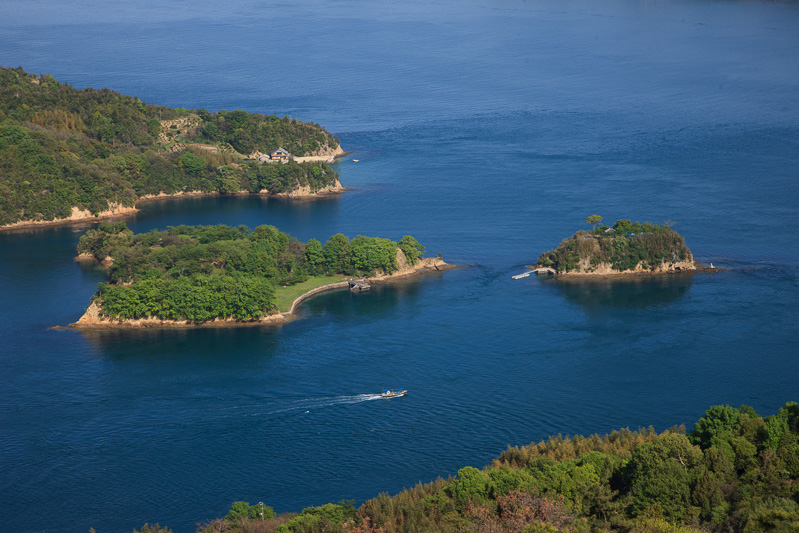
270 408
312 404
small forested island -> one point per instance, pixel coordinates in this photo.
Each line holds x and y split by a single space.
220 275
735 471
624 248
75 154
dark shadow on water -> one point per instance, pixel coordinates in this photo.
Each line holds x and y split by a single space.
232 203
384 299
92 269
202 344
239 344
251 210
625 293
300 218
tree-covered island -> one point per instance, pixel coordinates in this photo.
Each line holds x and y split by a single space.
196 275
73 154
624 248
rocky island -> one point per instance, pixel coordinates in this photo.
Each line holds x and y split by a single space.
622 249
189 276
84 154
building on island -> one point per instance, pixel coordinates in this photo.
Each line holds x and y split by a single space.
281 154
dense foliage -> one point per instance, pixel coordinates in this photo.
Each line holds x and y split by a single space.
200 273
247 132
735 471
625 246
61 147
411 248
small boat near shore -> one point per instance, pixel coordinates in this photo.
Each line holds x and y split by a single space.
520 276
393 393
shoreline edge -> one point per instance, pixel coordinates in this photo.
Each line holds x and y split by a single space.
93 319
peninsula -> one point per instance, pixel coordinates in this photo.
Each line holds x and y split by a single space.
83 154
190 276
622 249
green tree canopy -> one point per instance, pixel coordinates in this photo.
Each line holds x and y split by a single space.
90 149
593 220
627 481
629 247
202 273
243 510
411 248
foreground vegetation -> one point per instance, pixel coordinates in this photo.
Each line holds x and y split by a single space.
202 273
62 147
735 471
625 246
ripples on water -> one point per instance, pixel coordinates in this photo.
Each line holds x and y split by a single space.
489 132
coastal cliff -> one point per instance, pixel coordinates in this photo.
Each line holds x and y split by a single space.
94 318
606 269
305 191
328 154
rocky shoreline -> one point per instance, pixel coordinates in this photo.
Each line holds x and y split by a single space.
305 192
329 157
78 216
687 267
93 318
116 210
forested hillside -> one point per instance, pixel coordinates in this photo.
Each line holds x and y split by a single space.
733 472
62 147
200 273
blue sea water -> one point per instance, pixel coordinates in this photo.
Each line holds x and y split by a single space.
487 129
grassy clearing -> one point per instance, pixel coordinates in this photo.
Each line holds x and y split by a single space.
286 295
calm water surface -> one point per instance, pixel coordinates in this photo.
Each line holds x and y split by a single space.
488 130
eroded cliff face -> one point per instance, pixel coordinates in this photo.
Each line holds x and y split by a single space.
94 318
585 268
327 151
606 269
597 256
306 192
406 269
